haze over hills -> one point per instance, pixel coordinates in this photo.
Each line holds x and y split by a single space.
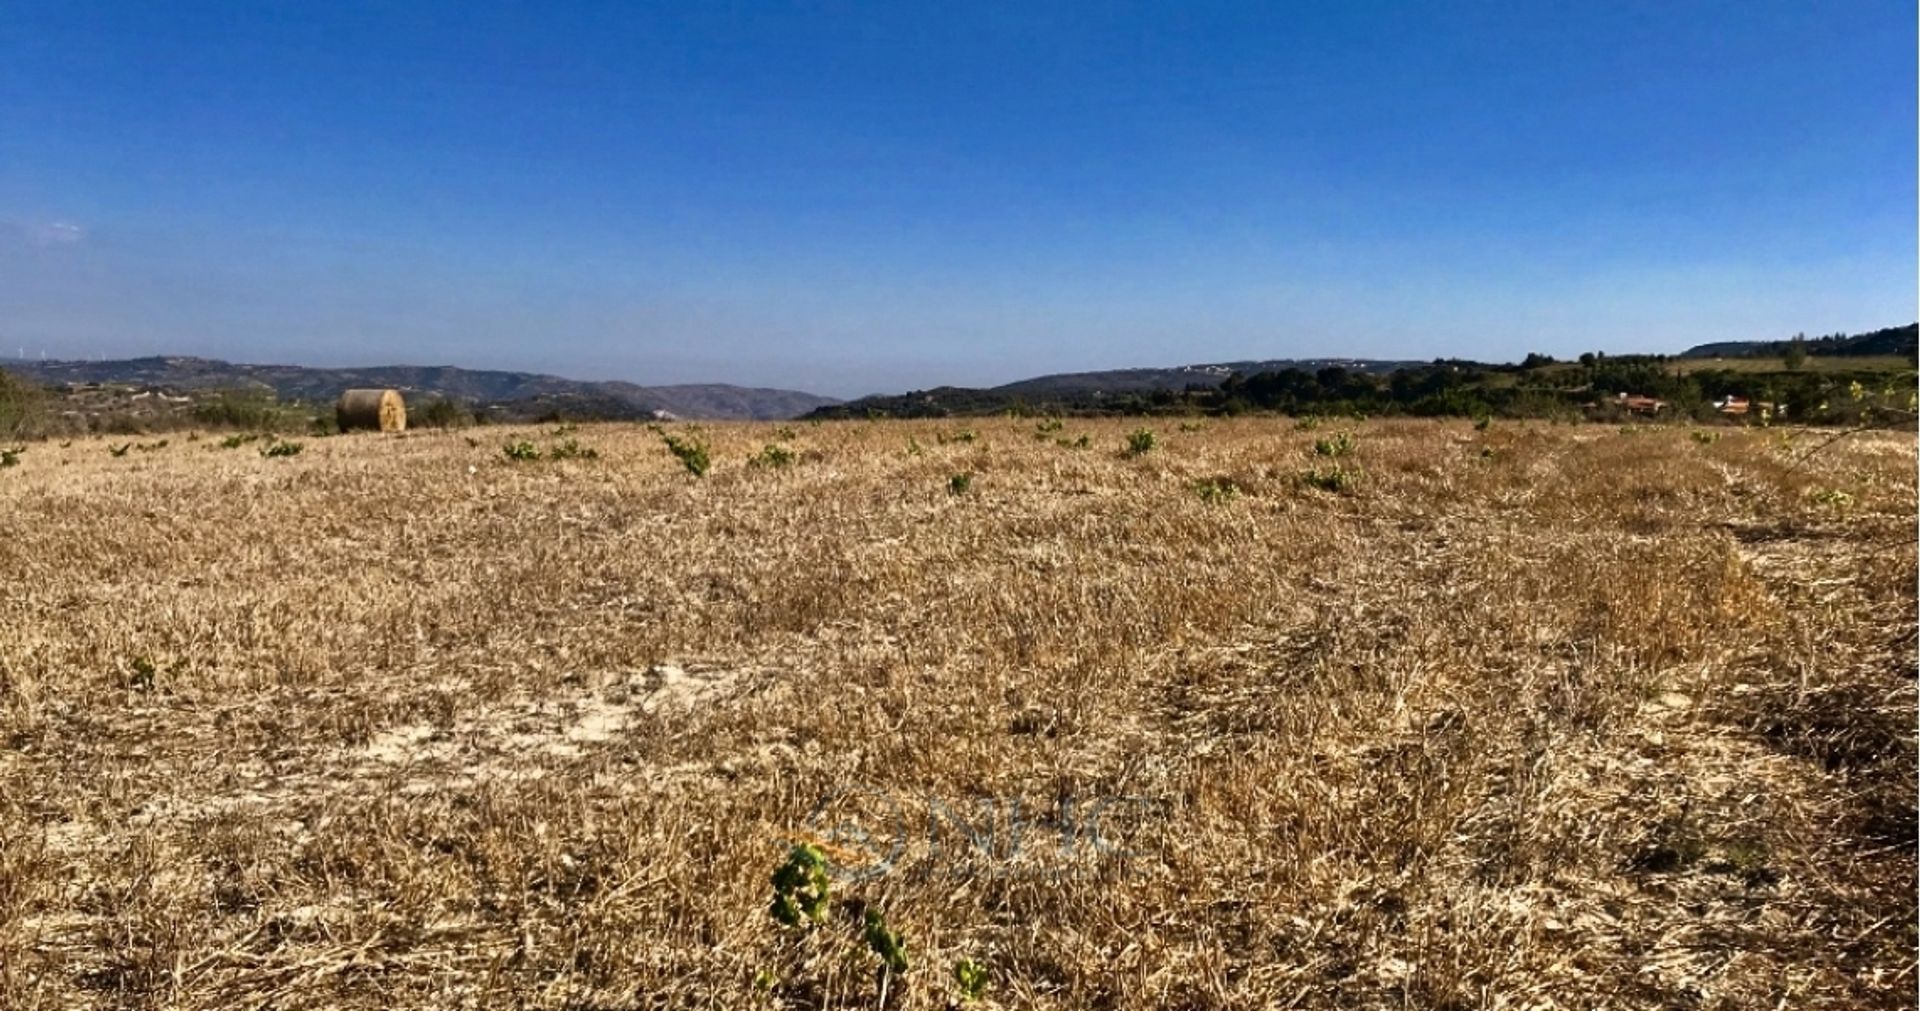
516 392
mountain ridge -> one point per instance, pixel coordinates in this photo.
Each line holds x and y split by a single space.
516 392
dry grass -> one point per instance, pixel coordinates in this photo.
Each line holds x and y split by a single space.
1531 717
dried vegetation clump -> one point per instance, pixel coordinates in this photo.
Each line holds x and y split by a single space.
1531 716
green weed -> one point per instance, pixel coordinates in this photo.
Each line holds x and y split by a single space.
691 452
801 888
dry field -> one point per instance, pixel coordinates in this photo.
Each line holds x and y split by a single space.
1532 717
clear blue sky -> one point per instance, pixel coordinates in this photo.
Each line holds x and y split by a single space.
851 197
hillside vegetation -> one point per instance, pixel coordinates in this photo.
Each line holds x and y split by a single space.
1054 713
521 396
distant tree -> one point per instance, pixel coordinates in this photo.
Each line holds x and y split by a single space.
1796 354
441 412
22 407
1588 358
1535 359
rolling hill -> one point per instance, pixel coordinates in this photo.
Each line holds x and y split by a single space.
508 393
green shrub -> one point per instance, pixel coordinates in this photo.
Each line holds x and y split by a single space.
959 484
1334 479
1217 489
1338 445
236 441
1308 423
251 409
691 452
1140 441
280 448
772 457
444 413
521 451
570 449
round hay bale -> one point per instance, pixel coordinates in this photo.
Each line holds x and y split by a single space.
378 410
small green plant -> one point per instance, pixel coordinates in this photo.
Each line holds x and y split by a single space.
1705 438
1045 429
963 435
1308 423
786 433
1831 497
570 449
801 887
1140 442
1193 426
772 457
913 446
521 450
564 429
959 484
11 457
889 945
1217 489
142 676
120 450
236 441
971 977
1335 479
1083 442
1337 445
691 452
280 448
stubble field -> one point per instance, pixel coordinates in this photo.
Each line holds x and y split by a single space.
1527 717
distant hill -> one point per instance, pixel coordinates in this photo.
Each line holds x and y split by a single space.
510 394
1179 377
1539 386
1113 391
1901 340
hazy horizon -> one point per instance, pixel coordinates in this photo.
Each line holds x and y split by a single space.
849 199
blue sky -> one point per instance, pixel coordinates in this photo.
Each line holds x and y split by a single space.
849 197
